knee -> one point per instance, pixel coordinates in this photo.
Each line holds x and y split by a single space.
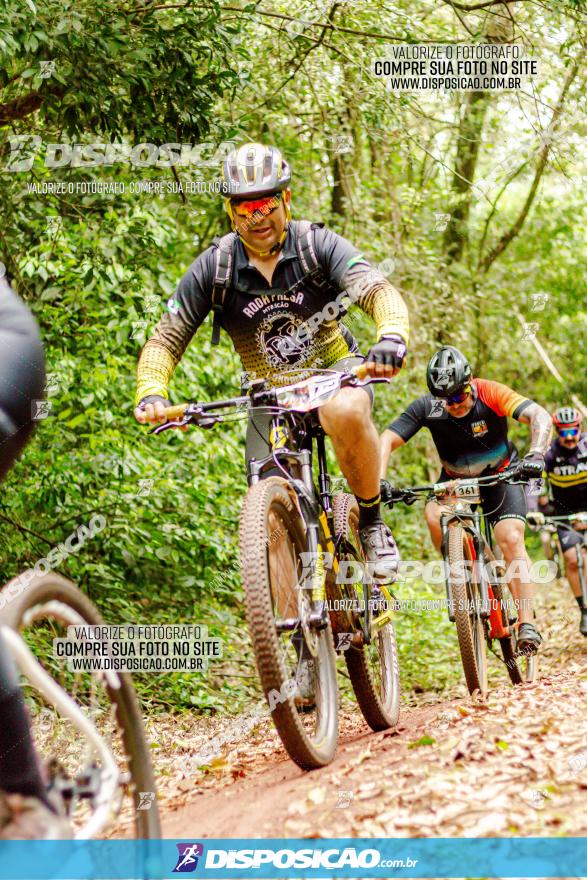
348 411
511 543
571 562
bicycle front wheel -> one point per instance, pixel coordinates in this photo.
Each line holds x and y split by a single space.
295 659
467 600
76 773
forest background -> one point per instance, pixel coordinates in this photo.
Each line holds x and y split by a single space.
471 202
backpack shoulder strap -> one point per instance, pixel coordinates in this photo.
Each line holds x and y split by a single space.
223 264
305 246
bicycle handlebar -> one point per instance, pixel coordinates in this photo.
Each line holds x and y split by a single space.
579 520
391 495
297 397
582 516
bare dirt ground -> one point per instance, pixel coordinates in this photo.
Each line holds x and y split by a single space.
515 765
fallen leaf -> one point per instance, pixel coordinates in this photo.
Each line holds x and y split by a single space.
317 795
423 741
220 765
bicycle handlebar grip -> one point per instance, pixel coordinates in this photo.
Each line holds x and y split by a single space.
360 371
176 412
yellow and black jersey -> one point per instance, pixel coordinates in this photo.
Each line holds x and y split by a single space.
566 470
275 327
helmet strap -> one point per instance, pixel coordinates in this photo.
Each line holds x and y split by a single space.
272 250
228 209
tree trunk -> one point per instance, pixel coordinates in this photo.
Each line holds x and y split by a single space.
470 132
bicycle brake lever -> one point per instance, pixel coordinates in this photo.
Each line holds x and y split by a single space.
207 422
179 423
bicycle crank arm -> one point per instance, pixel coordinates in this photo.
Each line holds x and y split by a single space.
380 621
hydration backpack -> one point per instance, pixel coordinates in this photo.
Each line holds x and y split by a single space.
224 266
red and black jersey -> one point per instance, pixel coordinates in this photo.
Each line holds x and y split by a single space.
475 444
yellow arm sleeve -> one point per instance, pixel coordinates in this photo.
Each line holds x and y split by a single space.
160 356
386 306
156 366
372 292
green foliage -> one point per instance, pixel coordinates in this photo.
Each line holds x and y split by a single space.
116 69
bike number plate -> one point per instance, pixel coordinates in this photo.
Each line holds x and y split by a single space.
470 491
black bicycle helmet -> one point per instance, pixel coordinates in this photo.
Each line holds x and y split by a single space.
254 170
448 372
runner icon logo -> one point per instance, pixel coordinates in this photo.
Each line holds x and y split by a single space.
187 860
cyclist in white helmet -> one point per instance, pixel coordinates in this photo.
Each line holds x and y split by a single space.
565 466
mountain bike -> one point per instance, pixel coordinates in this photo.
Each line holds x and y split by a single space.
578 523
478 600
86 726
305 580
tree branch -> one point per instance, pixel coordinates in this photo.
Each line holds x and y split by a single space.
481 5
316 24
514 230
491 214
25 530
20 107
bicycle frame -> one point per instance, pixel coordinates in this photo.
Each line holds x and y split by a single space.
459 510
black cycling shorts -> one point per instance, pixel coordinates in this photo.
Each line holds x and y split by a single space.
569 537
257 443
502 501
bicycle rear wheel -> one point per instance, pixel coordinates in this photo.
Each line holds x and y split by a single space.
522 668
272 541
374 668
41 613
467 600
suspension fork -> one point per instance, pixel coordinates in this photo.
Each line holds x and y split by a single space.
477 544
444 525
323 475
319 557
482 543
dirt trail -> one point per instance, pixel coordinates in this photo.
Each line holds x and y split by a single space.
515 765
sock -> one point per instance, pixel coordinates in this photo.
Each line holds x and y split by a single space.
579 601
369 510
19 771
